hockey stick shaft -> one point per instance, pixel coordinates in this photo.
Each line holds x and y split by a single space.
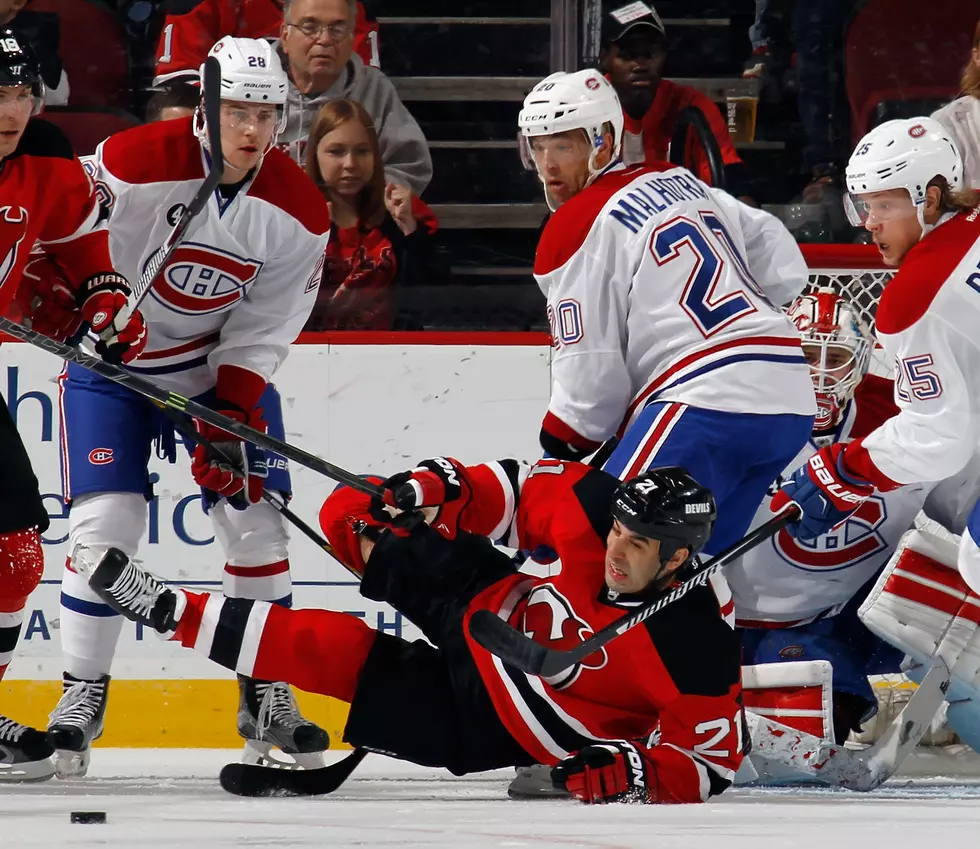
520 651
211 86
175 401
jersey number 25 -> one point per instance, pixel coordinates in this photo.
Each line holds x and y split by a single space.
718 267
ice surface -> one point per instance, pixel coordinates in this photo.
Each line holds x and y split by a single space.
170 798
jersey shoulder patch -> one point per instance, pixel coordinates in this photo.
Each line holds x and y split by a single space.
160 152
285 185
923 272
699 650
567 229
43 139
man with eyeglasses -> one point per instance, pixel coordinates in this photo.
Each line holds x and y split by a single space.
317 45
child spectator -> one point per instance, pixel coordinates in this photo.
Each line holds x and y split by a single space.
961 118
382 234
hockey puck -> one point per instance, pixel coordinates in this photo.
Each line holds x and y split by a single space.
88 817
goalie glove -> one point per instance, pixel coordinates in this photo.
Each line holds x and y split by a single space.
102 300
611 772
439 483
825 490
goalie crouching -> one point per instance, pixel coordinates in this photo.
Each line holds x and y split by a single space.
653 717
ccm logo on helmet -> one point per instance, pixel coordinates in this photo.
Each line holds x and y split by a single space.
825 477
100 456
917 131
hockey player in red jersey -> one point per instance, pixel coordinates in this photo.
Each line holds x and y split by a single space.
905 185
46 201
193 26
654 716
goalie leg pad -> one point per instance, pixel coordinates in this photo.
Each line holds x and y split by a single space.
968 557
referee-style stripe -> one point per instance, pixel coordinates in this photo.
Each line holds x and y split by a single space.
230 630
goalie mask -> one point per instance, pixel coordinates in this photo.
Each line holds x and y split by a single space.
584 100
251 73
837 345
18 66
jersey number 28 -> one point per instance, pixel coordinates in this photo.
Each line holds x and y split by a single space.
718 266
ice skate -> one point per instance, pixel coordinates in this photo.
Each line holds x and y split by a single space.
268 717
75 723
135 593
25 754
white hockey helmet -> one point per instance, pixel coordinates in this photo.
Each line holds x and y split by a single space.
583 100
903 154
251 72
837 344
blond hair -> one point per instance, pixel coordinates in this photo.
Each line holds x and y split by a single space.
970 84
955 201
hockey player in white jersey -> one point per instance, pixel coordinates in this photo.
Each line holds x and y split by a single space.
663 299
905 185
221 318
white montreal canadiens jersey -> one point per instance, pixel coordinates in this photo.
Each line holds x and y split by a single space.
241 285
661 288
792 582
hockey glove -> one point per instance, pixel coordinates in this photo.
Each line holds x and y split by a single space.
825 491
440 483
46 301
102 300
611 772
236 470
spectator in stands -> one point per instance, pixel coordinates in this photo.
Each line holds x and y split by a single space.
962 117
191 28
42 31
382 234
632 55
318 56
172 100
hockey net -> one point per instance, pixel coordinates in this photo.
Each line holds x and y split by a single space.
857 272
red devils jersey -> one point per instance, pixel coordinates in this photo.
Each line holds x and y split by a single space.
193 26
46 197
648 139
672 686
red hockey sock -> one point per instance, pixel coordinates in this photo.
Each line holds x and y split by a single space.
319 651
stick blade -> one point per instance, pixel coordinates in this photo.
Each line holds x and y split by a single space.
254 781
510 645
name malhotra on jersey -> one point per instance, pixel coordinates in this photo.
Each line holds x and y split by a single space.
652 196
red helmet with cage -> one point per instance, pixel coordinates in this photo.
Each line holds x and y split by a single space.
837 345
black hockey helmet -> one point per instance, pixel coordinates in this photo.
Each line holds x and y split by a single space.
667 504
18 65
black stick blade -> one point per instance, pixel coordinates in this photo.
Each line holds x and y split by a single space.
510 645
253 781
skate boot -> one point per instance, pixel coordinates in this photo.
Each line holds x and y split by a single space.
269 716
75 723
25 754
135 593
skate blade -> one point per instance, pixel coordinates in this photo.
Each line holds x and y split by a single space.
27 773
68 764
261 753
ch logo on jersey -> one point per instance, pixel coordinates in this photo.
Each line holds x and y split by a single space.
201 280
100 456
13 229
850 544
549 619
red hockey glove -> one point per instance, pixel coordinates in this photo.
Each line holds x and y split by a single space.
343 507
440 482
826 492
46 300
102 300
611 772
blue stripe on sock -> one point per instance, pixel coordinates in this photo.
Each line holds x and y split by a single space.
87 608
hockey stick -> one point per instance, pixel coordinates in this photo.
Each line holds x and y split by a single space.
520 651
253 781
175 401
860 770
212 116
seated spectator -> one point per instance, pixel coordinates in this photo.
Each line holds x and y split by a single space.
317 47
174 99
962 117
632 54
42 30
191 27
382 234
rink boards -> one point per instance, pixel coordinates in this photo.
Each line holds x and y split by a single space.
366 406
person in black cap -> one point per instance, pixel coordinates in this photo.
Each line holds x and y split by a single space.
632 55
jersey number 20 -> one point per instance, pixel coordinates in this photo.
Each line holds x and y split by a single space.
708 243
